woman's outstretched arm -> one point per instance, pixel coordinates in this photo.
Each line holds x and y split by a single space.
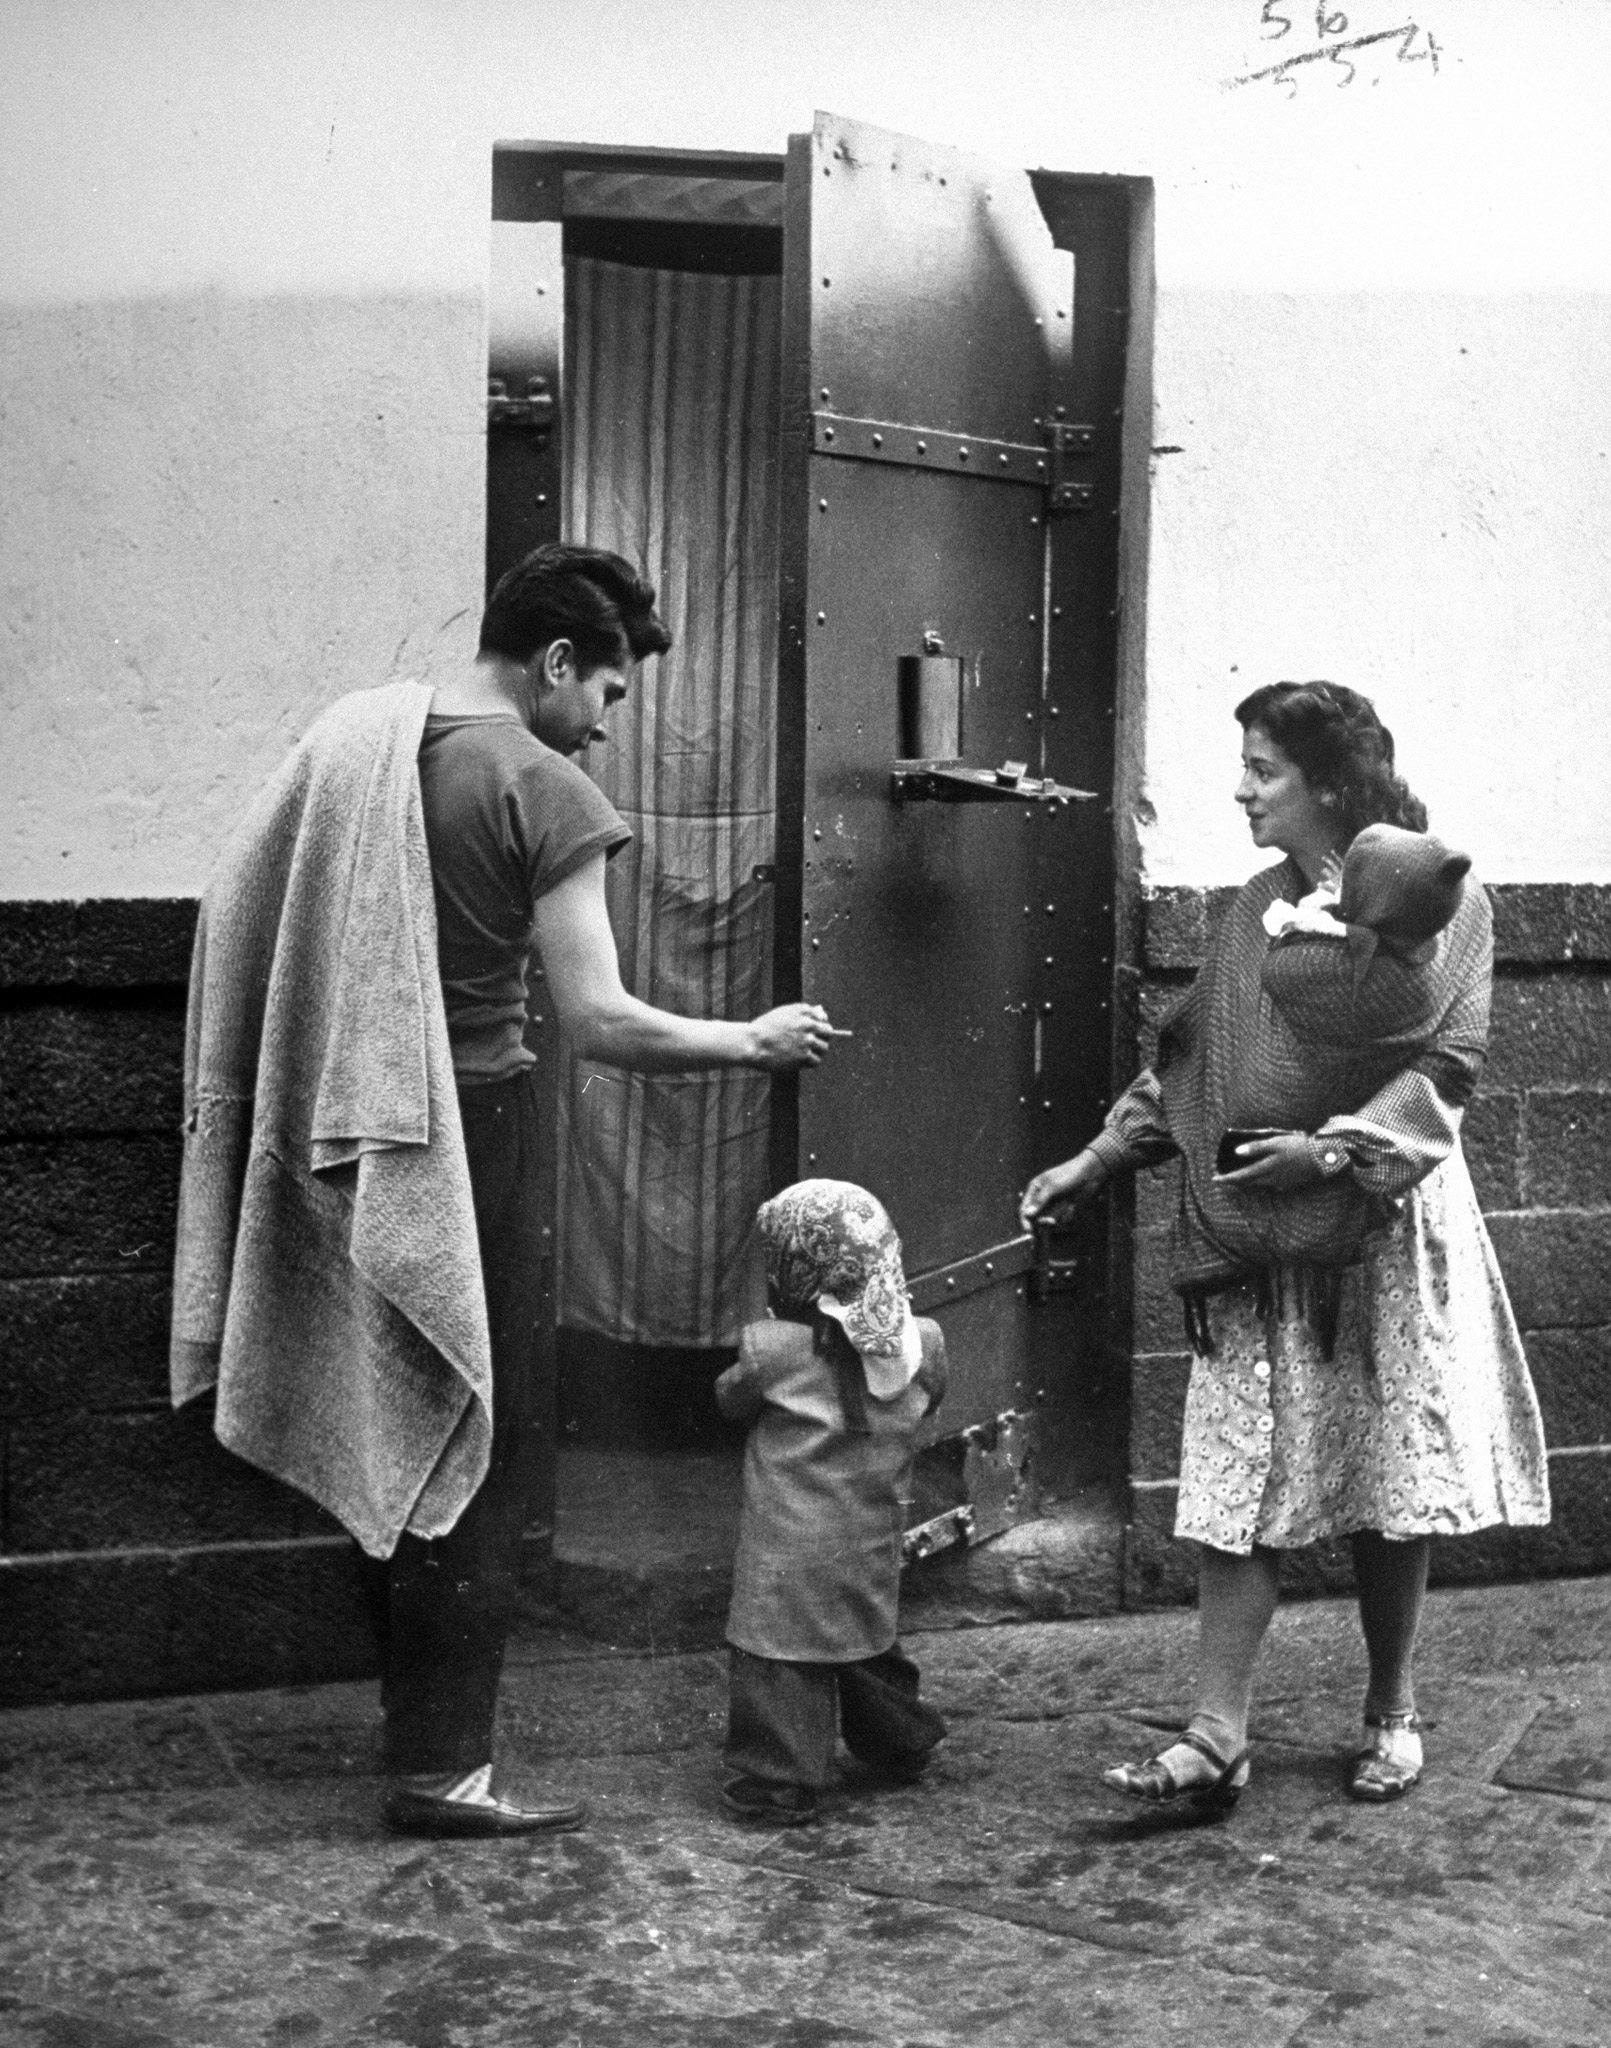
1133 1134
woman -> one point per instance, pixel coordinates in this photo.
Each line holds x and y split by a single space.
1385 1399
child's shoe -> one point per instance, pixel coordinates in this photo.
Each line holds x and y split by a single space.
778 1806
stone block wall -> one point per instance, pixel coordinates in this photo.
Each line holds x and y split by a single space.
135 1553
1538 1141
137 1556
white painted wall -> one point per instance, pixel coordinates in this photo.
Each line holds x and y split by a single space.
242 257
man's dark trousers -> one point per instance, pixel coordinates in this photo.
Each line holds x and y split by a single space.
444 1607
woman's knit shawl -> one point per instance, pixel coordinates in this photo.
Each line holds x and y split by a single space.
1226 1051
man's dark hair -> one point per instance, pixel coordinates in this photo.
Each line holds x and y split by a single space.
1342 747
588 596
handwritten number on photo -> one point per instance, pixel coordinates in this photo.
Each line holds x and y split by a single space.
1329 21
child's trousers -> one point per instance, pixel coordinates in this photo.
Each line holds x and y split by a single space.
782 1717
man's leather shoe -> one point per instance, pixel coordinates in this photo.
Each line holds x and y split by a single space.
464 1803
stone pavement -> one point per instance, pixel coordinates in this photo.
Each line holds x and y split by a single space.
210 1872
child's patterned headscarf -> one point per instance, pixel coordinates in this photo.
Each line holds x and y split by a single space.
831 1246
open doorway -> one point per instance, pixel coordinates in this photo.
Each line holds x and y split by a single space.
843 407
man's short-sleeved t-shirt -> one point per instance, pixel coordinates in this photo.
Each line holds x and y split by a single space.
506 818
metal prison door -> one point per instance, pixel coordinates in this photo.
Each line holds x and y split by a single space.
946 496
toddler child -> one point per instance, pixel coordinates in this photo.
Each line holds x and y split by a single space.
834 1385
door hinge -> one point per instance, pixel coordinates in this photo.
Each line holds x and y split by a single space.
1066 443
1000 1262
987 1470
1004 462
533 414
954 1526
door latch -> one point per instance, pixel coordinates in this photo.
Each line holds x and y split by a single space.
1056 1270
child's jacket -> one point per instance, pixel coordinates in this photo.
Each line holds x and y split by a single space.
817 1575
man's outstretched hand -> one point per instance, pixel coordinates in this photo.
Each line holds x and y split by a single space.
792 1036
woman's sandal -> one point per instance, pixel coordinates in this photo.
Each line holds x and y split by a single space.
1155 1782
1390 1763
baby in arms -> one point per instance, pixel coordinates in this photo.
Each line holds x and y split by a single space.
1354 972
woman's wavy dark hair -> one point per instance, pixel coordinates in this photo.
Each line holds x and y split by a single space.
1342 747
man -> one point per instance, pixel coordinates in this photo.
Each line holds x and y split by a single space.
357 1272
